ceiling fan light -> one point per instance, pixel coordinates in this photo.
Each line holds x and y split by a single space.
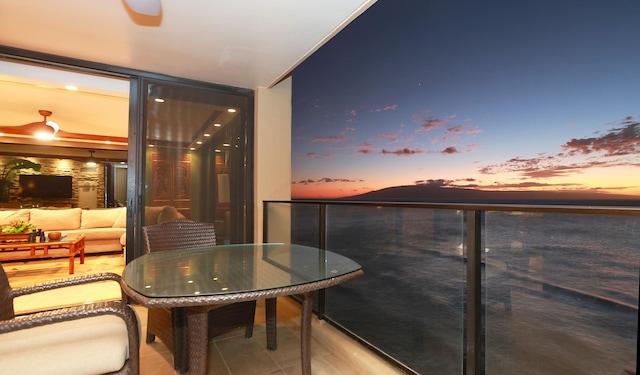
145 7
92 162
46 130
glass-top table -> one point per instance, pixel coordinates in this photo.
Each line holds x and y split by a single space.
201 278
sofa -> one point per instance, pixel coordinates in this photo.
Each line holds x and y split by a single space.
104 228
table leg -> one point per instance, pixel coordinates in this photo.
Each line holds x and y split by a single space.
72 255
81 244
198 330
305 332
272 335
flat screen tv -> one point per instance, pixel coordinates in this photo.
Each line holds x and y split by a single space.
45 186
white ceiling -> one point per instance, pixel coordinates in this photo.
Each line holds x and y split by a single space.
240 43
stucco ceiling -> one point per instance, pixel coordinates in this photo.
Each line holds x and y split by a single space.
240 43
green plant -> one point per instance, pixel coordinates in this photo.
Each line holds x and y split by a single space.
9 173
17 226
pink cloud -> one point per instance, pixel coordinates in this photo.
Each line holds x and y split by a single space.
315 155
386 108
331 138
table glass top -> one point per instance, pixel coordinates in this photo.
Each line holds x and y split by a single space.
232 269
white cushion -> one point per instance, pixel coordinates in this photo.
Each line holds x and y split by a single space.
93 345
100 218
121 220
56 219
8 216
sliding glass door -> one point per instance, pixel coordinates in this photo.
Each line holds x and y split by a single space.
193 159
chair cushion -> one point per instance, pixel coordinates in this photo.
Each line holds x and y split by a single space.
92 345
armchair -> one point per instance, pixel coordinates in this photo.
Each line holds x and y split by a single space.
93 338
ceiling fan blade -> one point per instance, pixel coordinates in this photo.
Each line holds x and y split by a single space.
90 137
26 129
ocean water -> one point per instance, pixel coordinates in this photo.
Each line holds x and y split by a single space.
560 292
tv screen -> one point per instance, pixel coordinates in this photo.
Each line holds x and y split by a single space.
45 186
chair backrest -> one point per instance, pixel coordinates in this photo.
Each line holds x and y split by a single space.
6 297
178 234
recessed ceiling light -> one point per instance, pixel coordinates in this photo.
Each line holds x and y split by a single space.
207 135
192 149
232 110
217 125
199 142
218 150
151 146
71 87
226 144
159 100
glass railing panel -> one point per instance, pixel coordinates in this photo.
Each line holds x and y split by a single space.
305 224
278 225
409 304
561 293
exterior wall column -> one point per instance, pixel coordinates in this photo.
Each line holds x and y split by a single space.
272 164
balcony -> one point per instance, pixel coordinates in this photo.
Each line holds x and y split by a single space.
448 289
475 289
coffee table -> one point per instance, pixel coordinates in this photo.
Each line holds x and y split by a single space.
75 244
203 278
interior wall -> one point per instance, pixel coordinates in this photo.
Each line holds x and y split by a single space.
87 182
272 169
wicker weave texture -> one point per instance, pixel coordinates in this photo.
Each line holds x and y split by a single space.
169 324
10 323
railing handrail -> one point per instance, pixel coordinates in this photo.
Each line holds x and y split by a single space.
474 216
547 208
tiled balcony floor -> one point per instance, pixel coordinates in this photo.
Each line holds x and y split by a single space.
230 354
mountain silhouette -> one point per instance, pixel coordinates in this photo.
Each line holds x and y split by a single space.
441 194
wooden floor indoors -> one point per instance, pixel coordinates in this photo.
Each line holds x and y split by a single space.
230 354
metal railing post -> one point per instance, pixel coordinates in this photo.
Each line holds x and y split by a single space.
474 306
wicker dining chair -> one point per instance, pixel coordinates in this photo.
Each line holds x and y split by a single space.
170 325
92 338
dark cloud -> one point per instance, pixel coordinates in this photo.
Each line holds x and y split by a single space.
403 151
623 140
450 150
434 183
324 180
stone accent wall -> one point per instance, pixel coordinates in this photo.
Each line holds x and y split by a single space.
82 176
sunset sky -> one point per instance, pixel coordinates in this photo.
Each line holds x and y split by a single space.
494 95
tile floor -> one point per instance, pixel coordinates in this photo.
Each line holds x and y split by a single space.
231 354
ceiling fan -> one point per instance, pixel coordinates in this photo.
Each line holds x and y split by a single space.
49 130
144 7
144 12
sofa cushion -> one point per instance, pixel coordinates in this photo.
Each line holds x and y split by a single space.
121 221
100 218
10 215
56 219
93 345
